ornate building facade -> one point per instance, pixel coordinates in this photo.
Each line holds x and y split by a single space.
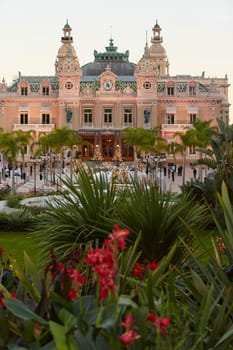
101 98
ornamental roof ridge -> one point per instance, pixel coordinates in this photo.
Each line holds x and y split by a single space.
111 54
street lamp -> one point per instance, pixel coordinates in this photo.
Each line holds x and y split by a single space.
161 160
157 161
34 172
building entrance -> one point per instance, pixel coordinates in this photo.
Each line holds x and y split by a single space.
107 147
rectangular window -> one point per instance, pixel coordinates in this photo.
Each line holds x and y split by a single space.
128 116
23 118
107 115
24 91
45 118
170 119
147 113
192 150
87 115
170 90
192 117
45 90
192 90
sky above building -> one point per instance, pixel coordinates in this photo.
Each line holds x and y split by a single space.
197 35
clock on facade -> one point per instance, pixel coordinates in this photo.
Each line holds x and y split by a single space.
107 85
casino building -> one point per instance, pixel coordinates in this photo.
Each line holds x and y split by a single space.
100 98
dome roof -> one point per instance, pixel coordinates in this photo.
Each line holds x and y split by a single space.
119 68
67 51
157 50
117 61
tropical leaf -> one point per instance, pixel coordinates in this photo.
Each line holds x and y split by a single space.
19 309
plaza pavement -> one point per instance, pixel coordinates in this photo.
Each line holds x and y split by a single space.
30 186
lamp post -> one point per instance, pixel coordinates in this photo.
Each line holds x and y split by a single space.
157 161
147 164
34 173
161 160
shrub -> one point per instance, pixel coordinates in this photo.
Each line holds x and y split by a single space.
17 220
81 303
13 202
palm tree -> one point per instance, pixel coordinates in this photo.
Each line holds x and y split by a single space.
200 135
13 144
88 213
219 156
57 141
41 148
186 141
140 139
157 153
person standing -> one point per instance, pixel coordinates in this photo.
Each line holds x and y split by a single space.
194 173
173 175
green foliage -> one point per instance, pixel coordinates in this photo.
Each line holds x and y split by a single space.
13 201
218 156
197 300
159 218
4 193
16 220
88 211
83 213
195 297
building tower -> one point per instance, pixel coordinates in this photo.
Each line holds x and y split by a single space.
150 68
69 74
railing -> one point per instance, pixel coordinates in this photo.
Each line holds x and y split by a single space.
126 125
35 127
177 126
88 125
107 125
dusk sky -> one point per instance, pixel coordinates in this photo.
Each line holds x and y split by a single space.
197 35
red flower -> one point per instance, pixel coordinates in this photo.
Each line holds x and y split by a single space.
2 304
128 322
77 277
154 265
139 270
1 250
60 268
103 260
161 323
72 294
119 236
128 337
